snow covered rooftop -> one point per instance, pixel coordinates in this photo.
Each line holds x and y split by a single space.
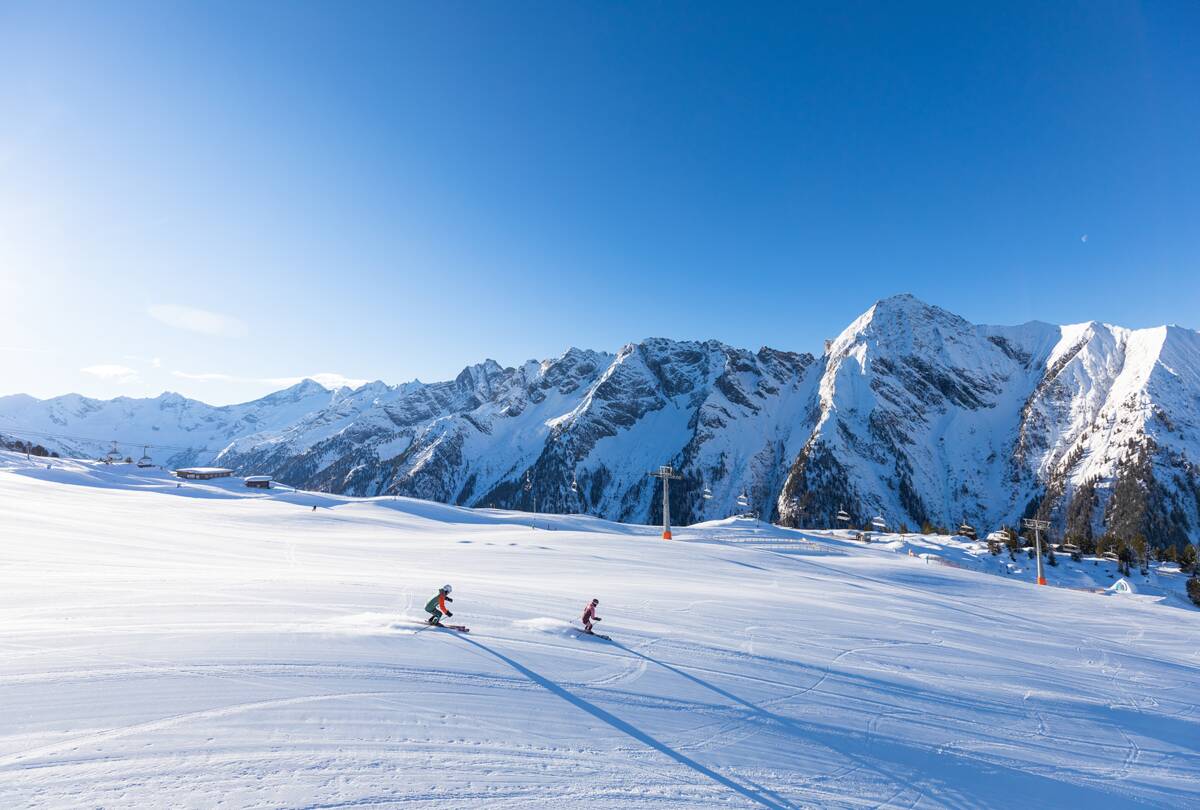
203 472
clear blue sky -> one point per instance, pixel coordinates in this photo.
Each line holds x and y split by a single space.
397 190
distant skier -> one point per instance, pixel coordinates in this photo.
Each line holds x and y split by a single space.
436 607
589 616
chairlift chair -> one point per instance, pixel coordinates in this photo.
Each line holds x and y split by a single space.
145 460
843 516
743 504
878 523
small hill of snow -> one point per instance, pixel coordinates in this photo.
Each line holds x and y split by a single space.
201 644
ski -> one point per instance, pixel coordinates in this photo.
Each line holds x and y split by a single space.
462 628
593 635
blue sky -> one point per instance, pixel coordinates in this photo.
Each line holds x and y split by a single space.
218 198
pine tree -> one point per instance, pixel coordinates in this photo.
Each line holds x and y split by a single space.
1142 552
1080 509
1187 560
1139 504
1013 544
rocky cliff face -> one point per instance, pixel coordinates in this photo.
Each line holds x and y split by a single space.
913 413
577 433
923 416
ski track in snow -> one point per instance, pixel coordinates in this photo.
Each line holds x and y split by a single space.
162 651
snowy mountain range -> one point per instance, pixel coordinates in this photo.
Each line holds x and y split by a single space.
912 413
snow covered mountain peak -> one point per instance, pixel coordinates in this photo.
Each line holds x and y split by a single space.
904 324
913 413
305 388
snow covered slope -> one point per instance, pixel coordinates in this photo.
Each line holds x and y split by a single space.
205 645
912 413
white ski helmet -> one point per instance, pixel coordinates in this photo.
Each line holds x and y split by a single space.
446 588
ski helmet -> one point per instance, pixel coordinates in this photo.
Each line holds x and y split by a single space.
595 601
446 589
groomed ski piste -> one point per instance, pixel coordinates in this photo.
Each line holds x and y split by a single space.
199 644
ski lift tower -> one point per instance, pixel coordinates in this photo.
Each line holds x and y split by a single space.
843 517
1038 526
667 474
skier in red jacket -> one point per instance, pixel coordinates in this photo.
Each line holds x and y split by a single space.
436 607
589 616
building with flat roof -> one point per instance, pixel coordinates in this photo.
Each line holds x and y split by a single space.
203 473
258 481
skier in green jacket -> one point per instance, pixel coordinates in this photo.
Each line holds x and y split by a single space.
436 607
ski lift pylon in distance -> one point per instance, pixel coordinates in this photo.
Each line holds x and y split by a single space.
843 516
878 523
707 494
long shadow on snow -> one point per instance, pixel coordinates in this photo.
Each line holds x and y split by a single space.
760 796
976 783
